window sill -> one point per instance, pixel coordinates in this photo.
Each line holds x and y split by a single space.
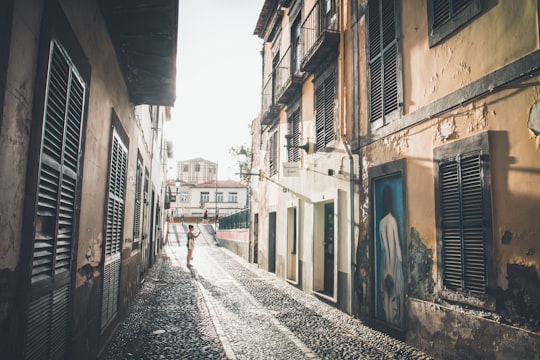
480 301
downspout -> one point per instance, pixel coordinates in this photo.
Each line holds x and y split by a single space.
343 48
353 247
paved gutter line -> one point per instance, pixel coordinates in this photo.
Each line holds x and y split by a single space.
210 305
279 326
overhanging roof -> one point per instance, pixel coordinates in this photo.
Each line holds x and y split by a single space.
144 33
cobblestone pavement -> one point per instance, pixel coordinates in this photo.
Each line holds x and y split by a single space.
226 308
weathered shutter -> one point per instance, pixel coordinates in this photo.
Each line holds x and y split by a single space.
48 311
383 59
463 228
325 114
114 230
137 216
329 108
294 129
444 10
319 117
273 154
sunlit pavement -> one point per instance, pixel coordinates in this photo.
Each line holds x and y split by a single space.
225 308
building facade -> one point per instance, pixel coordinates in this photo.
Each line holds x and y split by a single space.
221 197
84 92
196 171
411 175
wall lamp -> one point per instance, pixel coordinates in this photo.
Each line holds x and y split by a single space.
307 147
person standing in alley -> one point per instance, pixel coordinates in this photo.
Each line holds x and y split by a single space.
191 244
205 216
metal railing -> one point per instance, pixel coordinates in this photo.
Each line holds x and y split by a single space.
321 18
238 220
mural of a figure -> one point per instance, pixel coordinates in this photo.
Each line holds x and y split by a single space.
391 281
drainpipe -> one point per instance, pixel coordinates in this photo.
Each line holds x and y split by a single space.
353 248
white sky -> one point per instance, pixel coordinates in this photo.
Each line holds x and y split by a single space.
218 81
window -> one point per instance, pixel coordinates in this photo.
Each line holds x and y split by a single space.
219 197
446 16
464 214
293 120
205 197
325 111
233 197
273 154
296 46
183 196
186 168
138 203
197 167
114 229
384 76
54 208
329 12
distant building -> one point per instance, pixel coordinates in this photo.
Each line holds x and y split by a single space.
196 171
217 197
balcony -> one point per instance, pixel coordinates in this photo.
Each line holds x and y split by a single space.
270 107
289 80
320 34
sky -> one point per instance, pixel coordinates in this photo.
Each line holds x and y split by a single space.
218 84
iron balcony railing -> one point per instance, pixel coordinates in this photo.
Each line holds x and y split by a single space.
320 33
270 107
288 77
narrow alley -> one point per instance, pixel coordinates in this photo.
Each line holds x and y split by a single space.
226 308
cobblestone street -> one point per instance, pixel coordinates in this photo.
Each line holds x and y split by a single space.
226 308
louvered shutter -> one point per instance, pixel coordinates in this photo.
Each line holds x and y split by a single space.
319 117
137 216
48 313
383 60
325 113
114 230
294 129
330 108
273 154
463 227
444 10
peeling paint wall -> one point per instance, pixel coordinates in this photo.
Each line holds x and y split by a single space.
470 83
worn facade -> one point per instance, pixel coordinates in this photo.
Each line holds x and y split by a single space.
82 165
438 103
302 205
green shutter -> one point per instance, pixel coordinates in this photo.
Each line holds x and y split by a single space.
48 313
383 59
463 228
114 230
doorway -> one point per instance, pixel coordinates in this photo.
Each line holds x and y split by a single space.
291 244
272 243
329 248
254 255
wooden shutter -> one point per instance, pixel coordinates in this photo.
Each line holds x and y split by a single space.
137 216
463 226
273 154
294 129
383 59
114 229
444 10
48 311
319 117
325 111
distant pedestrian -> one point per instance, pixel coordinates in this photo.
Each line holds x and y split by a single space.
191 244
205 216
